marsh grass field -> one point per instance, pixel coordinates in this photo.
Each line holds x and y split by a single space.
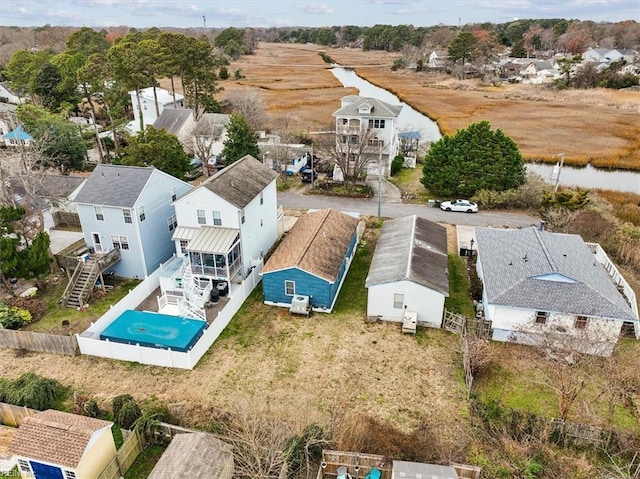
595 126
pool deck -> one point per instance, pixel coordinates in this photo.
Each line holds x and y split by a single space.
151 304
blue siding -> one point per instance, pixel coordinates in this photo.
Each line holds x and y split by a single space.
322 292
150 240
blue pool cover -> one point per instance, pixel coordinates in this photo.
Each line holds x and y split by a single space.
154 330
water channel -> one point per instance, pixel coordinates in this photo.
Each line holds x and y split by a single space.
412 120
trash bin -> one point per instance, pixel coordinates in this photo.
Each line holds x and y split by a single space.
431 203
223 288
215 295
437 203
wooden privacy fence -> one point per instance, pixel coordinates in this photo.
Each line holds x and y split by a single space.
13 416
132 446
41 342
459 324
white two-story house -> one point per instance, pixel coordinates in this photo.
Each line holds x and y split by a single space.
226 225
147 108
366 131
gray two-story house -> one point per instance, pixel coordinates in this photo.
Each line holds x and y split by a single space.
130 208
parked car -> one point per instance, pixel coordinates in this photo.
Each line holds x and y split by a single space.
195 171
465 206
308 175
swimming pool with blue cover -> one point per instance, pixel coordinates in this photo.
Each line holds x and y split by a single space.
155 330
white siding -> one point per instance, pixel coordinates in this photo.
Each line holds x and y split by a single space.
429 304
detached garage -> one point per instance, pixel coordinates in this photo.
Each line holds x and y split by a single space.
408 273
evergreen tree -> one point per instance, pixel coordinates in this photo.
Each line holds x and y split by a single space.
473 159
462 47
518 50
241 140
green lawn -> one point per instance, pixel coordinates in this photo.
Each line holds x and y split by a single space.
459 300
144 463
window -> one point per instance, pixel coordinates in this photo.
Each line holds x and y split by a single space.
172 222
375 142
25 467
289 288
217 218
173 194
261 198
541 317
99 214
345 121
202 219
127 216
141 213
183 245
242 217
581 322
376 124
120 242
69 474
398 301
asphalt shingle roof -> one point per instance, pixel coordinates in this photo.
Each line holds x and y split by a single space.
380 109
173 119
546 271
195 456
317 244
241 182
412 249
56 437
114 185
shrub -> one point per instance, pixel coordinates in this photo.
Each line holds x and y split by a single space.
13 318
396 165
128 414
307 447
153 413
36 307
528 196
119 401
92 409
32 391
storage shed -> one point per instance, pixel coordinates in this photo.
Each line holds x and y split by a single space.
408 272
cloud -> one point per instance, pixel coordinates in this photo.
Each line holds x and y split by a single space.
316 8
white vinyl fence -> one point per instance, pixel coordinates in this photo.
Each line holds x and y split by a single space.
91 344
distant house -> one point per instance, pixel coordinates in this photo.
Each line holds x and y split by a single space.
179 122
209 136
438 58
607 55
195 455
408 271
312 260
366 131
130 208
539 285
9 96
17 137
59 445
148 109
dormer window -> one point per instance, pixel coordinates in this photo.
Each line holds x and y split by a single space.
366 109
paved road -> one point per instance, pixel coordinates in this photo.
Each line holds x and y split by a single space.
498 219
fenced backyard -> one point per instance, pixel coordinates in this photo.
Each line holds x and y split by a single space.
89 342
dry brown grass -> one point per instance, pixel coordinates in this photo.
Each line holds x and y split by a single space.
596 126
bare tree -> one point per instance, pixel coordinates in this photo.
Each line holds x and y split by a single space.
250 105
352 149
207 133
282 149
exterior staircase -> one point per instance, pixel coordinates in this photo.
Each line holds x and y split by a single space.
79 288
192 303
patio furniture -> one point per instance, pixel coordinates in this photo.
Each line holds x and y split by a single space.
374 473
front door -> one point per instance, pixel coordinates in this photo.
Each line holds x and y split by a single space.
97 244
45 471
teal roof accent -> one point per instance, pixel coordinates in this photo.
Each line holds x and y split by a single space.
18 134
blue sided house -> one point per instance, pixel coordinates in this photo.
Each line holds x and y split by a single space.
307 269
130 208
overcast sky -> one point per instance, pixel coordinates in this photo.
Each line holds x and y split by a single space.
269 13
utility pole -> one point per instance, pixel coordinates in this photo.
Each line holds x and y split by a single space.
379 178
313 172
555 186
204 25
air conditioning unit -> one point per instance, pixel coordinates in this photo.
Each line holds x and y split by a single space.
300 305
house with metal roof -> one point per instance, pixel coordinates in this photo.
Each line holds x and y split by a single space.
366 133
196 455
310 264
540 286
58 445
130 208
408 272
